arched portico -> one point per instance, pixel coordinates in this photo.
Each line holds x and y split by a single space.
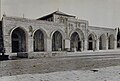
76 40
18 40
102 42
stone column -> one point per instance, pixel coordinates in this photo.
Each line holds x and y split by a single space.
48 45
85 45
67 44
106 43
29 45
7 44
94 45
97 44
82 45
115 44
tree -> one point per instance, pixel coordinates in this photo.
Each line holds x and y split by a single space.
118 38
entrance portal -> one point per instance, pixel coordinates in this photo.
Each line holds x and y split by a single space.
75 43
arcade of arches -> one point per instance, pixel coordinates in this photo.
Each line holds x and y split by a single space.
19 41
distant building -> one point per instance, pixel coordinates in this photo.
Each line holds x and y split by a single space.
54 32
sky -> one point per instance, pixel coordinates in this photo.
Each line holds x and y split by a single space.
103 13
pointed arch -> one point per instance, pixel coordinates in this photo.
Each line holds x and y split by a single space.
92 41
38 41
75 43
60 31
42 30
57 41
80 33
19 40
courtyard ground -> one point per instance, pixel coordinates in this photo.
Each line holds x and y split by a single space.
99 74
73 67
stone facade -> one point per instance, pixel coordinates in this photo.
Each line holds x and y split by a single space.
55 32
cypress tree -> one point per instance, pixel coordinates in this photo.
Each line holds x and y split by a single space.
118 38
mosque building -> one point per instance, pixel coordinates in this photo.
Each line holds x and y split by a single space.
55 32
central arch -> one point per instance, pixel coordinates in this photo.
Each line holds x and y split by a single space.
57 40
18 39
75 43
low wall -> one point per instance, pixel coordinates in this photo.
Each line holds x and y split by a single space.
32 55
67 54
46 54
